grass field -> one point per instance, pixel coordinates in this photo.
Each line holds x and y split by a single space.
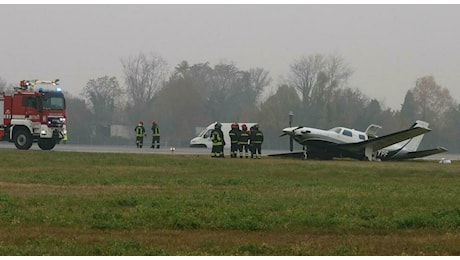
66 203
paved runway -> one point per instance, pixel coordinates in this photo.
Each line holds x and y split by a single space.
114 149
128 149
166 150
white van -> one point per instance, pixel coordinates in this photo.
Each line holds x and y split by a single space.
203 139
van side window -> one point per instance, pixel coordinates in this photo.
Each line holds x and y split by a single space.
347 133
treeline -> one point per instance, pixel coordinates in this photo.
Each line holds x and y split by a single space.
193 95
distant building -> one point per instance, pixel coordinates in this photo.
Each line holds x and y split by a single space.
122 131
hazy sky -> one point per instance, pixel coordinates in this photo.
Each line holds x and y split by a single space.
388 46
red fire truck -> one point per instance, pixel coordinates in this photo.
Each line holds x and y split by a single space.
33 115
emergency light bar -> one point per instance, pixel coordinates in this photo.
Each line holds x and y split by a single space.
24 83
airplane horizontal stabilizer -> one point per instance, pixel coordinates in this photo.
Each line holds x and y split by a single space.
424 153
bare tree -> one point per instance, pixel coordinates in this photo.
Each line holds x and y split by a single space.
335 74
226 86
234 92
316 76
144 76
2 85
224 77
259 79
102 94
409 109
432 101
305 75
78 118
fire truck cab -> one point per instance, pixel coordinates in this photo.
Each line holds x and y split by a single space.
33 115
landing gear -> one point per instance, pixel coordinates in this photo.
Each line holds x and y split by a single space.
305 154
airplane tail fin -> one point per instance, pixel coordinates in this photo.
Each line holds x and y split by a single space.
414 142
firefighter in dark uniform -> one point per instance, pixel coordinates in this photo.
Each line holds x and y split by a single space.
218 142
251 144
257 138
155 135
234 134
140 133
243 141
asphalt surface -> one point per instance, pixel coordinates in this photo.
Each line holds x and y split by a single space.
113 149
167 150
129 149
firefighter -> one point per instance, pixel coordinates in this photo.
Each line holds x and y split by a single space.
155 135
140 133
257 138
243 141
218 142
234 134
64 134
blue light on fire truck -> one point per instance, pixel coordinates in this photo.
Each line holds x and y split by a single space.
58 89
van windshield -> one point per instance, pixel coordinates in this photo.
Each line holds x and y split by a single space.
208 133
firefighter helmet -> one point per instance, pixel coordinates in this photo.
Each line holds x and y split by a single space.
244 127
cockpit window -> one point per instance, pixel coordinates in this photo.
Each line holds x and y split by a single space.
347 133
336 129
362 137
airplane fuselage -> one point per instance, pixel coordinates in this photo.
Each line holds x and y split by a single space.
321 144
337 135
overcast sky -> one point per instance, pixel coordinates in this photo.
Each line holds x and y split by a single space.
388 46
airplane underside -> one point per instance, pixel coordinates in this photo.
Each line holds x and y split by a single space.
327 151
318 150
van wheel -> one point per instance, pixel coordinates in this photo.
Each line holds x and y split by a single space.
22 139
46 144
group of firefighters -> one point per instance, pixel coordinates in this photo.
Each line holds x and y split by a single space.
140 133
242 141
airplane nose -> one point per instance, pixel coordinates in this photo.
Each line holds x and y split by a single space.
285 132
290 130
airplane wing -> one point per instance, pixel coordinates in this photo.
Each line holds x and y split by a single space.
423 153
300 154
372 145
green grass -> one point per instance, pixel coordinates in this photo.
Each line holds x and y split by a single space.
65 203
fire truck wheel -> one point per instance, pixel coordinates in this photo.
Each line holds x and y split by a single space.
22 139
46 144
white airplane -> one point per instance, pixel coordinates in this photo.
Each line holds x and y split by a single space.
345 142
